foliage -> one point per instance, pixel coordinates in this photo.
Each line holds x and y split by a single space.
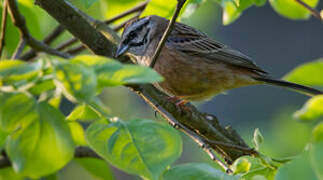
40 140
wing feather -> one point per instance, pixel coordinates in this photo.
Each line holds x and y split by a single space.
195 43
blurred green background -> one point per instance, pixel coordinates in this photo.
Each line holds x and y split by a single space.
275 43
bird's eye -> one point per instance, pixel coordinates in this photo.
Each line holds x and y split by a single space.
132 35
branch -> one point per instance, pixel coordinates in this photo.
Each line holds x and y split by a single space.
204 127
3 25
20 47
314 12
80 152
168 30
19 21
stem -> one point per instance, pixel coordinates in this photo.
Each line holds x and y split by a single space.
168 30
3 25
314 12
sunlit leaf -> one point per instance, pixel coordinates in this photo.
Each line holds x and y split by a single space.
193 171
44 146
113 8
77 81
16 111
317 150
142 147
10 174
241 165
291 9
77 132
83 112
112 73
261 173
309 74
313 109
160 8
18 70
232 9
96 167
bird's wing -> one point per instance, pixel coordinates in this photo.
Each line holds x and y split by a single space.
195 43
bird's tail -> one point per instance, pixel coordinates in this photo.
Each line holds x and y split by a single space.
296 87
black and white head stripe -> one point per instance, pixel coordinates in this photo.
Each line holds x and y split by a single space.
133 30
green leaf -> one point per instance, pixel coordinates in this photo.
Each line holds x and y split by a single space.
11 71
96 167
262 173
309 74
193 171
88 3
160 8
232 9
16 111
142 147
9 174
298 169
257 139
77 81
291 9
83 112
241 165
317 150
3 138
112 73
43 147
313 109
78 134
44 84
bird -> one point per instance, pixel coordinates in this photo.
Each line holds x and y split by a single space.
194 66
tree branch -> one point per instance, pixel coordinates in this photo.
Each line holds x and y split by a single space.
314 12
3 25
47 40
168 30
20 47
80 152
19 21
205 127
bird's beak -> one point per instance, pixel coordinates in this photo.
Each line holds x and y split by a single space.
121 50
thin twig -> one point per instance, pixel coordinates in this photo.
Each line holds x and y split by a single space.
20 47
47 40
139 8
168 30
314 12
66 44
3 25
76 49
19 21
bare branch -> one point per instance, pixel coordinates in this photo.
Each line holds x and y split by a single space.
19 21
47 40
20 48
314 12
168 30
66 44
3 25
